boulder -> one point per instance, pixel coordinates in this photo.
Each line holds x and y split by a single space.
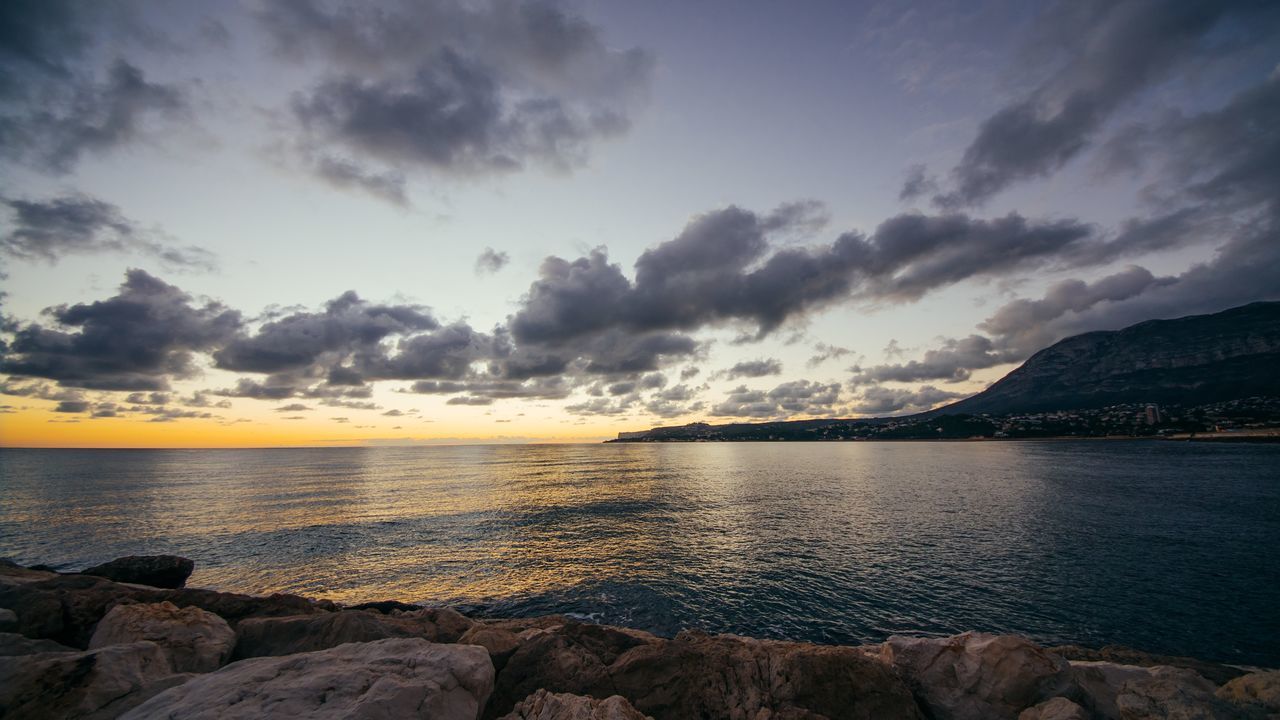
8 620
699 675
260 637
234 607
1260 690
14 644
1122 655
1098 683
976 675
1058 708
500 643
395 678
440 624
1169 693
1130 692
196 640
88 684
162 571
544 705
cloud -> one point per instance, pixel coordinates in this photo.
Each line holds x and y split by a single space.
824 352
1130 48
451 87
137 340
952 361
54 106
491 261
882 400
293 408
798 397
339 341
1217 169
752 369
79 225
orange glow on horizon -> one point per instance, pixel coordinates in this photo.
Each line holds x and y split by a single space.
38 428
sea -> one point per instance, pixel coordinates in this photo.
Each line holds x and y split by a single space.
1169 547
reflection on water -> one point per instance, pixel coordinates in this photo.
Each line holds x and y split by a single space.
1169 547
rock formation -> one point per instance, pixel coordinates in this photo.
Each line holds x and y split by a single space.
395 678
195 640
162 571
160 653
544 705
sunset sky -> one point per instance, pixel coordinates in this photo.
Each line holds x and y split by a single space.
299 222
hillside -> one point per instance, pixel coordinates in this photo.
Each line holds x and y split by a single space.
1188 361
1204 371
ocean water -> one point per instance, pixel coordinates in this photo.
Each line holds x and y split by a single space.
1168 547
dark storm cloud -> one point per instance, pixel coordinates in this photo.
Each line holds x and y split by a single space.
751 369
72 406
799 397
77 224
491 261
952 361
452 87
1112 52
304 341
723 269
882 400
137 340
1219 169
54 106
1023 325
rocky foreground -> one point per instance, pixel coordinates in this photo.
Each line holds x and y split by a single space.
127 640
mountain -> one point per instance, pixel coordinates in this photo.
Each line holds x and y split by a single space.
1188 361
1204 371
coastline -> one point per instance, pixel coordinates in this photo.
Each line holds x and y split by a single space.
174 649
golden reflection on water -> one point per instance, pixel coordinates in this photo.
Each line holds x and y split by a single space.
829 542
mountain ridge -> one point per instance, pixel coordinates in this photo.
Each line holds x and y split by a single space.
1191 361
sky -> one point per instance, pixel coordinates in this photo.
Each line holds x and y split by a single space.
299 222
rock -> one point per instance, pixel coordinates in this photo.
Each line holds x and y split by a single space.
976 675
396 678
91 684
234 607
12 644
1099 683
1173 694
66 608
162 571
544 705
698 675
1058 708
8 620
386 607
1122 655
260 637
441 624
196 640
1260 689
1130 692
500 643
571 657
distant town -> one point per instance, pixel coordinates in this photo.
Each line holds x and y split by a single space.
1255 418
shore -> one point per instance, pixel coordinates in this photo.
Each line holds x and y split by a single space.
128 639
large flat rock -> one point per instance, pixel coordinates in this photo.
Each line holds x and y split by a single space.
394 678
